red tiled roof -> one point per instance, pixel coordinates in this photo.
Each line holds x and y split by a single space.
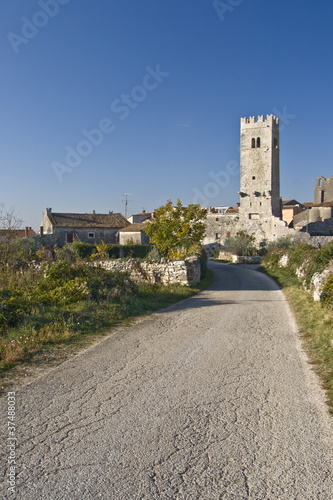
20 233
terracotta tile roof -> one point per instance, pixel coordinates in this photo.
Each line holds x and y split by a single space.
88 220
18 232
231 210
325 204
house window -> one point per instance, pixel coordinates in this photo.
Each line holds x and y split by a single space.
69 238
91 235
217 236
258 142
253 143
228 234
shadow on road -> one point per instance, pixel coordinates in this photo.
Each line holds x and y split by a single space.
235 278
229 278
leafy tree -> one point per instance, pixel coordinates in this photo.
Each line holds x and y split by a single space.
176 229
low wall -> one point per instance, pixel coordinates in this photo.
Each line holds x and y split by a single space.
239 259
181 272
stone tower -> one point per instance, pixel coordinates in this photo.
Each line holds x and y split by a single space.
260 168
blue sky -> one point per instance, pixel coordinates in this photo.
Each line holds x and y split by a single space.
145 97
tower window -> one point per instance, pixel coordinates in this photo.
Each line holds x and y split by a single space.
253 143
253 177
258 142
275 142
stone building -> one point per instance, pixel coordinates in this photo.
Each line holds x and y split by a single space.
323 191
260 168
133 234
65 228
259 211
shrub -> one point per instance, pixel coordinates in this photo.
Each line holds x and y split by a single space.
136 251
326 297
64 283
272 257
153 255
83 250
300 254
284 242
241 244
13 306
216 253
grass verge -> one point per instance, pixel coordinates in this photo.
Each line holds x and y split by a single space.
52 334
315 324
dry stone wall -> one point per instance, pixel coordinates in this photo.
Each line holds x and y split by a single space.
181 272
318 280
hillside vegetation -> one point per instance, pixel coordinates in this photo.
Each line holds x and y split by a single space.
297 268
53 296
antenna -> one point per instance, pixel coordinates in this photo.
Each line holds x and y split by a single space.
126 202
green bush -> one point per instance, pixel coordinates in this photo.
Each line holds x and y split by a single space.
83 250
299 255
216 253
241 244
64 283
283 243
273 256
326 297
318 261
136 251
153 254
13 306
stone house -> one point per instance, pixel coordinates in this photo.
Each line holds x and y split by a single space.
65 228
133 234
317 219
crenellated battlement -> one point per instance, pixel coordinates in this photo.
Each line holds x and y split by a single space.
270 120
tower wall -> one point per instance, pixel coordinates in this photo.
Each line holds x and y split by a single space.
260 168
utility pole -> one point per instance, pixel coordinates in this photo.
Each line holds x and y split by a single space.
126 202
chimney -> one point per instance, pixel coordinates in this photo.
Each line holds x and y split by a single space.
48 211
26 232
238 205
41 231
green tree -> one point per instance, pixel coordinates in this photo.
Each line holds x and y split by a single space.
241 244
176 229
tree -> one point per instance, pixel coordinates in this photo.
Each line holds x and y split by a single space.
241 244
10 248
9 221
176 229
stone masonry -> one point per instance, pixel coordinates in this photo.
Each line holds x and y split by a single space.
260 209
181 272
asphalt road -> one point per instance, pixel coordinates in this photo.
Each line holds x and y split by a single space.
209 399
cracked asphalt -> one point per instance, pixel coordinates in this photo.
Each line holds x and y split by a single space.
212 398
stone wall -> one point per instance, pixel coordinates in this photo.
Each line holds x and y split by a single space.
318 280
239 259
181 272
